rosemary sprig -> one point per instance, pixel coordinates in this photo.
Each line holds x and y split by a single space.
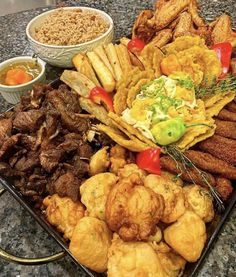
225 85
180 158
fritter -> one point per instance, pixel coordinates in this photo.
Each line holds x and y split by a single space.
209 163
225 129
221 148
63 213
187 236
199 200
133 210
90 242
172 193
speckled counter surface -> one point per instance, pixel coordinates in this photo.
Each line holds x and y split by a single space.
19 234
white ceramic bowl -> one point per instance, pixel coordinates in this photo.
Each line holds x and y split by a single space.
12 94
61 56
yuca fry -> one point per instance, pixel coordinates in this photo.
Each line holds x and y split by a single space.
112 56
118 137
83 65
97 110
131 130
124 41
78 82
103 56
133 91
124 58
102 71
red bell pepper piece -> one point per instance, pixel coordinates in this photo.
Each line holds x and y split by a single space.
224 51
135 44
98 95
149 160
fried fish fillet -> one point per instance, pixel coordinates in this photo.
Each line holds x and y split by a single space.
168 164
223 149
211 164
133 210
225 129
63 213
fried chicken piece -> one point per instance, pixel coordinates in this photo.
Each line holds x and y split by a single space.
63 213
224 114
225 129
133 259
90 242
161 38
99 162
133 210
187 236
142 29
224 187
128 169
168 164
222 31
199 200
168 12
172 263
223 149
173 196
94 192
184 25
211 164
117 158
193 10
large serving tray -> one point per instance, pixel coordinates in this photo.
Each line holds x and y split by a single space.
191 270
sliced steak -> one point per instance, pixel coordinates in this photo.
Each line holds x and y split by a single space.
28 121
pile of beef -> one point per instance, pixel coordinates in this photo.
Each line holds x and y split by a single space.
43 143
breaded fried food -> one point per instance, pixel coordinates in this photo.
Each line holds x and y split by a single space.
90 242
133 210
224 187
225 129
129 169
168 164
187 236
224 114
94 192
199 200
183 26
63 213
161 38
117 158
193 10
99 162
173 196
223 149
231 107
211 163
172 263
133 259
168 12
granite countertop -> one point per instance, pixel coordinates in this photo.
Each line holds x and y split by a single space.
19 234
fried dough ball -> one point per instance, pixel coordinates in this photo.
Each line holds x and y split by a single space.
133 259
187 236
90 242
99 162
128 169
117 158
94 192
172 194
199 200
172 263
133 210
63 213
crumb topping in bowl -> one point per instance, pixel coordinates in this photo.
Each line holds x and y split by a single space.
70 27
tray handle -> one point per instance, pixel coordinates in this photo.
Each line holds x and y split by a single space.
29 261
